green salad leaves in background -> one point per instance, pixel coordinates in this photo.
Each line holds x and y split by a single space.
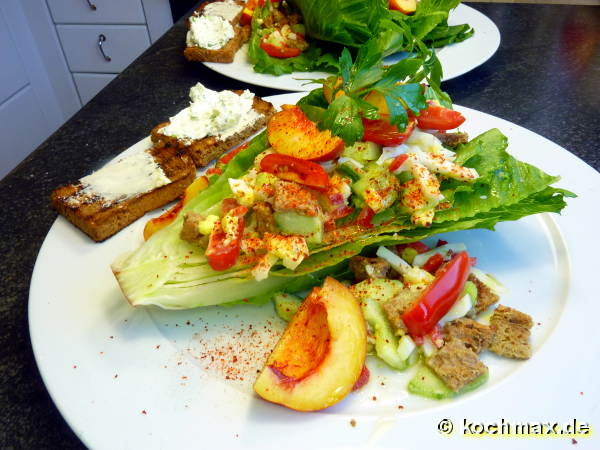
331 25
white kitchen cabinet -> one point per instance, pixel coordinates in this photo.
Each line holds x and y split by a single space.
104 36
89 84
97 11
102 48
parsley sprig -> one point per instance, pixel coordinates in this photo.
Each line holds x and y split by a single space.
401 85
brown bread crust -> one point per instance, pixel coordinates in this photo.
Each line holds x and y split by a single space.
100 221
204 150
228 51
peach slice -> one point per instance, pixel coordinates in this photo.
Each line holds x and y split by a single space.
321 354
404 6
291 133
158 223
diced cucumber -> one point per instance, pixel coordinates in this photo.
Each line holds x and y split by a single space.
406 346
489 280
471 290
265 178
378 289
461 308
427 384
386 342
408 254
377 187
363 151
291 222
428 346
286 305
413 275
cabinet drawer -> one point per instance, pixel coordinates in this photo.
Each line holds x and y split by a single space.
106 11
122 44
89 84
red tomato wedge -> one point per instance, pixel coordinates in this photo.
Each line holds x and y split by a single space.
437 299
382 132
277 51
433 263
223 249
397 162
229 156
299 170
365 217
437 117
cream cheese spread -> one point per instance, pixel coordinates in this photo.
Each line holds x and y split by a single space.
211 113
133 175
209 32
227 10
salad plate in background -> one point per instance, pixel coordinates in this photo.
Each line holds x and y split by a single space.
164 379
456 59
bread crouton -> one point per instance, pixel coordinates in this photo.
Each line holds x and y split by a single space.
395 307
265 221
364 268
512 331
452 139
473 335
100 217
456 364
291 196
204 150
485 296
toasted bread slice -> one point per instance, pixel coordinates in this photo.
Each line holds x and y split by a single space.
228 51
204 150
100 219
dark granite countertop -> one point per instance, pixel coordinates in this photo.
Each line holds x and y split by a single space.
545 77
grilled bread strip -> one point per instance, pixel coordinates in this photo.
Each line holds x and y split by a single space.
204 150
226 53
100 218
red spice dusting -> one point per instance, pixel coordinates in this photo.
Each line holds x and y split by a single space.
374 398
74 367
353 422
573 441
235 352
581 393
102 353
400 407
144 412
157 347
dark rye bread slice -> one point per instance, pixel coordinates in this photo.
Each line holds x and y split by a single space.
226 53
100 221
204 150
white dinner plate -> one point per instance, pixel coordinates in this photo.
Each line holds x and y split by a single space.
127 377
456 59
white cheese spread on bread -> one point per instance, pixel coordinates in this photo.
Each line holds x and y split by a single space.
211 113
209 32
133 175
227 10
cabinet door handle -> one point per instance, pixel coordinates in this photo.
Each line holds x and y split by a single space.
101 39
91 5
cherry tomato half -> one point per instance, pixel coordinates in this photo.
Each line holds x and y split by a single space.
437 299
436 117
382 132
223 250
299 170
278 52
